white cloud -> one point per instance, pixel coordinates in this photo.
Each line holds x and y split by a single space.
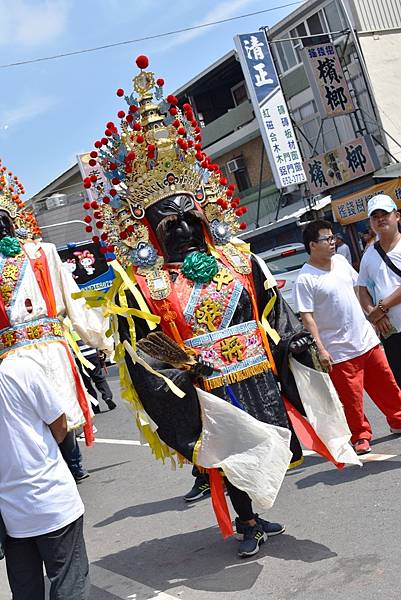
32 24
224 10
27 111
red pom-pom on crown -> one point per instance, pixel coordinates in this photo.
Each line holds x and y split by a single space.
142 61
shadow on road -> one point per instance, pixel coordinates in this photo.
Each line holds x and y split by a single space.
337 477
391 437
309 461
96 469
175 504
200 560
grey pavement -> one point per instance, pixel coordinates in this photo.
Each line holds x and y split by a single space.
144 542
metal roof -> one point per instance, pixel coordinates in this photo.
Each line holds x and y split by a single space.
292 213
183 88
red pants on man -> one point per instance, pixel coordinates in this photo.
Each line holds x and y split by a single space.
371 372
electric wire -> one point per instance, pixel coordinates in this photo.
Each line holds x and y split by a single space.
146 38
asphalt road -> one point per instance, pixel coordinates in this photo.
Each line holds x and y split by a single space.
144 542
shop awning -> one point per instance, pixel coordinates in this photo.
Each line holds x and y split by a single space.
392 171
288 214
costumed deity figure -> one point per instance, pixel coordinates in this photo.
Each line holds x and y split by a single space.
35 296
205 390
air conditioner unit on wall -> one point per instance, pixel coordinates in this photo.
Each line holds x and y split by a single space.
290 189
56 201
235 165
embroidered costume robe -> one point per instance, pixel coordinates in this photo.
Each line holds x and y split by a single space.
221 324
35 296
243 428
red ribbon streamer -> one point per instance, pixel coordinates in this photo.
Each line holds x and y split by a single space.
41 270
219 503
83 403
307 435
4 320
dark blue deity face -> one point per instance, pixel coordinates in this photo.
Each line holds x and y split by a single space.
6 225
178 226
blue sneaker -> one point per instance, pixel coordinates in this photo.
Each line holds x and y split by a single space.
80 474
200 489
253 537
270 529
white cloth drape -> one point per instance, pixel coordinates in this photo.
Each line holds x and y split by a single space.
253 455
324 411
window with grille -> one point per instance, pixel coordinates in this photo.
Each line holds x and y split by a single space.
239 93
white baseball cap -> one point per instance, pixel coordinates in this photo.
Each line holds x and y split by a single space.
381 202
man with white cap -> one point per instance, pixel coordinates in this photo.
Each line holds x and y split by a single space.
381 270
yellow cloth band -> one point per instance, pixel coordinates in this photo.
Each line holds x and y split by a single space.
271 332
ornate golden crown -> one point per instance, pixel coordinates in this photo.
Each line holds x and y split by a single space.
156 153
11 190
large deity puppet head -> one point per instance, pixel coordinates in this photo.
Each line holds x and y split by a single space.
15 219
155 196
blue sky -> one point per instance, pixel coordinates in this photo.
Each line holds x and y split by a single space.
50 111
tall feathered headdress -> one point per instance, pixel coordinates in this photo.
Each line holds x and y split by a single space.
155 152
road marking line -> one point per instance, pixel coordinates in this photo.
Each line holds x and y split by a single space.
373 457
121 442
123 587
363 457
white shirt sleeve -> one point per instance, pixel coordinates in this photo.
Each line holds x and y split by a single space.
43 398
303 296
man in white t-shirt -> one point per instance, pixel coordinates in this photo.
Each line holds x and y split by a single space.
347 344
343 248
39 500
378 279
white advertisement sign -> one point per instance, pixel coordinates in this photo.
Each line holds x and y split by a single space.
270 109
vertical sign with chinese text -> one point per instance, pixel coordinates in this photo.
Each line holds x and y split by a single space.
270 109
102 184
327 80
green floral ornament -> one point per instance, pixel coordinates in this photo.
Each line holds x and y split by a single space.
9 246
199 267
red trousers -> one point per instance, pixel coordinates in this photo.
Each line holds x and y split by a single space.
371 372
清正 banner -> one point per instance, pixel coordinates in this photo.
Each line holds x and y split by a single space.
270 109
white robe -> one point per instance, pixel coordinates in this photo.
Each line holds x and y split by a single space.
52 356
